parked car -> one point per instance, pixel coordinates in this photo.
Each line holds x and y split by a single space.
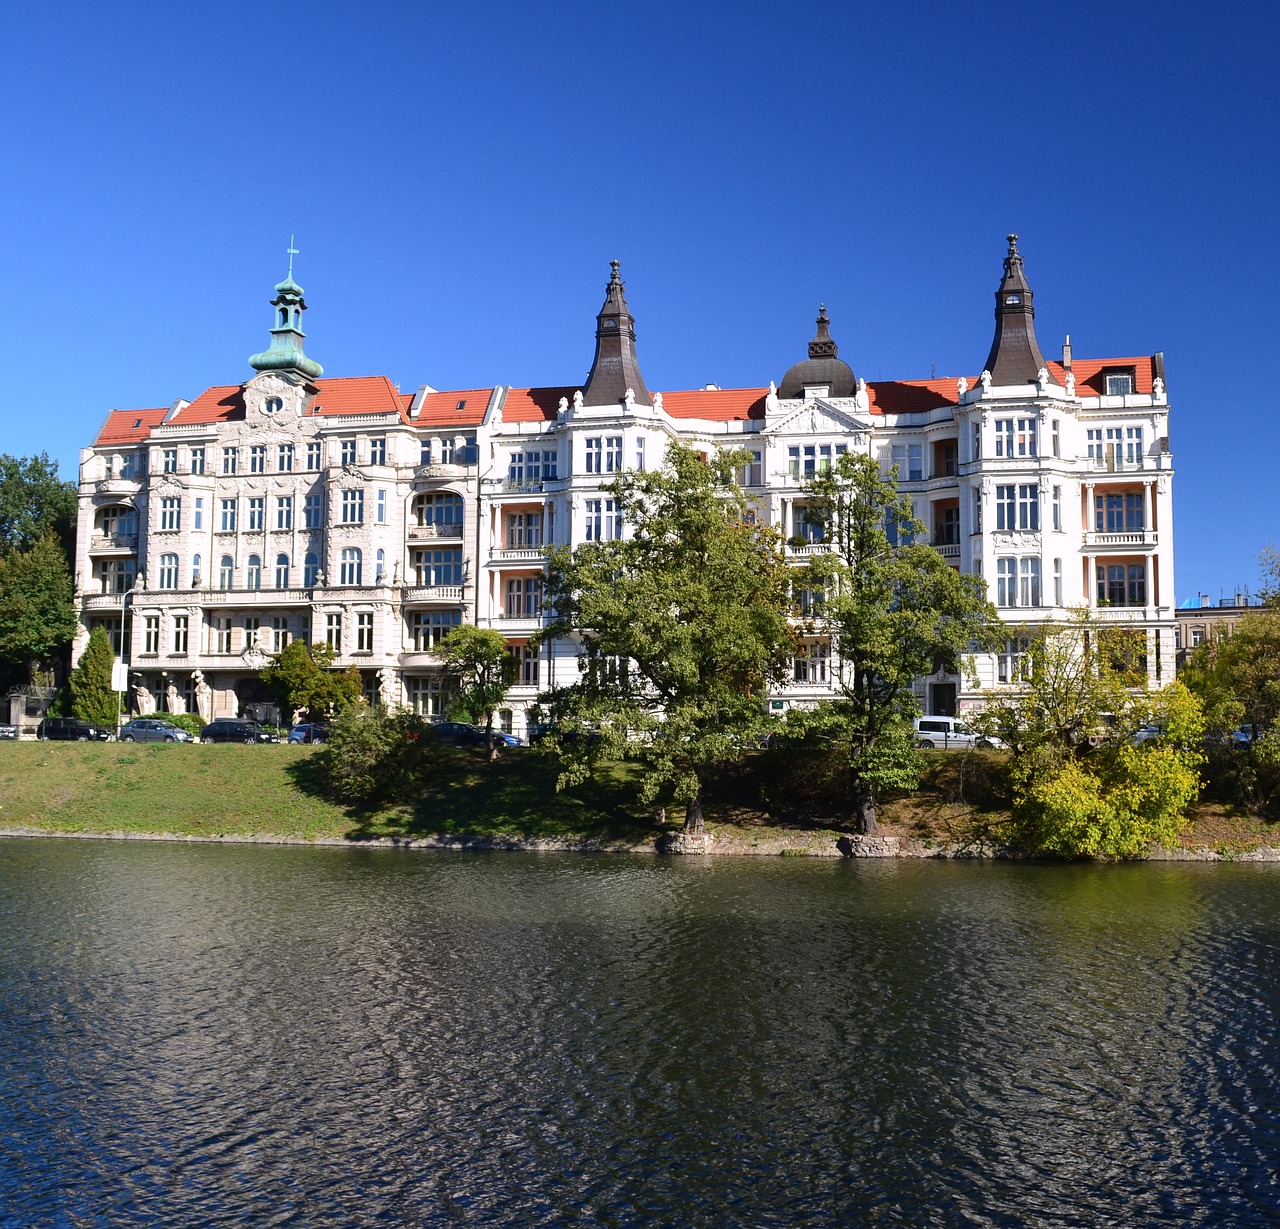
951 734
8 731
462 733
153 730
309 732
231 730
73 729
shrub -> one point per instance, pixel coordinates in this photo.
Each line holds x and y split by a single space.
191 722
374 756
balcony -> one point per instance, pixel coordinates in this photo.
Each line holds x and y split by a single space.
948 550
1126 540
432 593
101 601
529 486
420 659
119 485
517 624
441 469
225 597
435 533
113 543
807 550
519 554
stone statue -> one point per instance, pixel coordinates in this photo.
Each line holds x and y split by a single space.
387 687
577 400
144 702
1157 387
563 408
1042 378
1071 383
771 399
204 695
629 399
861 398
174 699
985 380
962 386
657 403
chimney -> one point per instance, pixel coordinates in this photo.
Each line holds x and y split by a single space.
1066 353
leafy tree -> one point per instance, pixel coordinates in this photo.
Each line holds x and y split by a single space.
1236 675
374 756
302 677
894 610
33 499
483 669
682 626
92 696
37 617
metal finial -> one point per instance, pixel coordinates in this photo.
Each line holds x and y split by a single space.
292 252
1013 244
615 265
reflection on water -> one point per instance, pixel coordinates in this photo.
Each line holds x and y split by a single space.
197 1035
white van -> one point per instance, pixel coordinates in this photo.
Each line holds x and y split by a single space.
951 734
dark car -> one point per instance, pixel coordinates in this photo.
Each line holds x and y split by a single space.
73 729
309 732
153 730
231 730
462 734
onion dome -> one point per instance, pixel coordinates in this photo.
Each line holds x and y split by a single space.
286 350
822 369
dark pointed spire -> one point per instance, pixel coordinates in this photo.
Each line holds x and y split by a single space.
615 367
1015 356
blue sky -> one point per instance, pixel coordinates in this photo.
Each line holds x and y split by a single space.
459 176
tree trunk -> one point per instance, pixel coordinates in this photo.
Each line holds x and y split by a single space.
693 816
863 809
490 741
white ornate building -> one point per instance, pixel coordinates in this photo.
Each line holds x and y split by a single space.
343 511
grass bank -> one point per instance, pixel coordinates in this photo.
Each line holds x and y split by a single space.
277 792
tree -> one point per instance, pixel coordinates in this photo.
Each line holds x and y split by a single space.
894 610
682 626
302 677
483 668
92 696
37 617
33 499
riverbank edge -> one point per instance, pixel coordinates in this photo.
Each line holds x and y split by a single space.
783 845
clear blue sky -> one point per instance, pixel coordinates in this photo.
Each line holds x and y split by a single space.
459 176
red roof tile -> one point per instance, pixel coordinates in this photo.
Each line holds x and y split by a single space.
716 404
534 404
129 426
441 409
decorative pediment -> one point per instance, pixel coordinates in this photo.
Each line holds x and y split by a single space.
168 485
819 417
272 397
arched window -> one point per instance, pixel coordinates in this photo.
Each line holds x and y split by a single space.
284 317
282 571
379 577
195 571
350 566
253 574
442 509
225 571
297 318
168 571
310 570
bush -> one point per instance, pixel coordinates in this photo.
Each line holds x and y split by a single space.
374 756
191 722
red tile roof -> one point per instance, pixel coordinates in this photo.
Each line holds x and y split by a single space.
534 404
441 409
716 404
129 426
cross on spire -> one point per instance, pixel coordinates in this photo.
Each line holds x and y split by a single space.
291 251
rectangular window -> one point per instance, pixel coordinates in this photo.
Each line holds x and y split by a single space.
437 567
279 632
805 523
1029 578
1119 383
524 529
315 454
170 512
151 634
1026 437
313 511
364 631
169 461
811 665
527 655
168 571
448 448
612 454
348 452
258 459
977 442
197 460
1133 446
428 627
640 453
284 512
1004 437
1057 438
352 507
1093 443
752 473
257 513
229 459
227 523
1006 582
378 450
1057 582
220 635
524 597
252 625
591 526
424 455
550 464
946 525
382 508
197 521
977 510
1006 507
1057 508
909 458
594 455
181 634
1028 507
333 630
1013 664
284 458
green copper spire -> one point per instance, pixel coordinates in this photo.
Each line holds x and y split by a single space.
285 352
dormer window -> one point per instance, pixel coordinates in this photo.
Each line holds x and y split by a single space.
1118 383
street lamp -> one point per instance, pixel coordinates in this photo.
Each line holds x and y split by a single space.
123 677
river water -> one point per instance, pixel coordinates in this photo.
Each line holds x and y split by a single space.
209 1035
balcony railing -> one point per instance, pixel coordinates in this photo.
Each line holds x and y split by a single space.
433 533
101 601
948 550
802 550
1111 540
113 542
519 554
432 593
